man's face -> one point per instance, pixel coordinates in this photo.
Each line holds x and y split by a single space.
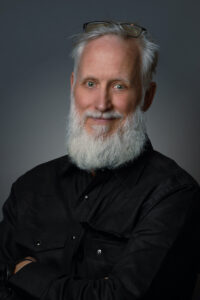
108 80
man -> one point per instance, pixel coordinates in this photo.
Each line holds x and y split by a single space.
113 219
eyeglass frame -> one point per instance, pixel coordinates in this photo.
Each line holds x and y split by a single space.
116 23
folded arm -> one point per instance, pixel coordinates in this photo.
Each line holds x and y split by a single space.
165 225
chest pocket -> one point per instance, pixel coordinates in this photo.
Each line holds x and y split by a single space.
46 246
101 251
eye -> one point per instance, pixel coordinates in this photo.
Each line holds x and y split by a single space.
90 83
119 86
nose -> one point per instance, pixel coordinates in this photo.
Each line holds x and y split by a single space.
103 100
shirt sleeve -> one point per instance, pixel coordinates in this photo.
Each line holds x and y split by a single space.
8 249
166 236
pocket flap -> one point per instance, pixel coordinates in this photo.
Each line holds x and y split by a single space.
108 231
41 240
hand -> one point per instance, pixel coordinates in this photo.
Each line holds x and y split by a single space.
23 263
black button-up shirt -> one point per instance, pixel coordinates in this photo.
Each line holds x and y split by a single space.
123 234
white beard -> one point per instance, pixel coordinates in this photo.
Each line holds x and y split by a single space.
95 151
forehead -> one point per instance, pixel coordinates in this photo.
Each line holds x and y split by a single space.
110 51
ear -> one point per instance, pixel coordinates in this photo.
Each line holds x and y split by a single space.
72 79
149 95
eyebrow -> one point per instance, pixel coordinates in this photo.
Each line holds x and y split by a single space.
111 80
121 79
88 78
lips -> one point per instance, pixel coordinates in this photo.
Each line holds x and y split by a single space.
102 120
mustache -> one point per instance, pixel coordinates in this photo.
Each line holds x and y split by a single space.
102 115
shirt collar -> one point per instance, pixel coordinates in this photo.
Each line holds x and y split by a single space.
130 173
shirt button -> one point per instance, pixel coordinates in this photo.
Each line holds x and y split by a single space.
86 197
73 237
99 252
38 243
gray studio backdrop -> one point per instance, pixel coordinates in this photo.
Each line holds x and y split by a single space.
35 67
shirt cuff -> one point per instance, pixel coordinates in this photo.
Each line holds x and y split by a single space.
34 279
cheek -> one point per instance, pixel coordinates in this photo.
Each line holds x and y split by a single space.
126 105
81 99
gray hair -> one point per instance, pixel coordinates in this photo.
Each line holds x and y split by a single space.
149 50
